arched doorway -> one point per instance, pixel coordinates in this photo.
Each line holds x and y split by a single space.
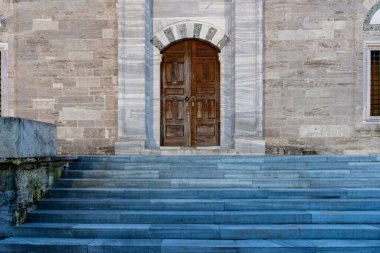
190 95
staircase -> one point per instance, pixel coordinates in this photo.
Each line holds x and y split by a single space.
194 204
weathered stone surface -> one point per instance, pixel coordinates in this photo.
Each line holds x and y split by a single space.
26 138
23 182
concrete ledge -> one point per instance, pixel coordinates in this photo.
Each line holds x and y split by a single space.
21 138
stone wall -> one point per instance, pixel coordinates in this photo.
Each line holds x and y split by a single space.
63 69
23 182
314 77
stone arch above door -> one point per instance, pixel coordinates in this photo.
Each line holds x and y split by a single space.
188 30
371 23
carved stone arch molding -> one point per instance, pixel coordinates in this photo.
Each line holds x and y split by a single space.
190 30
372 21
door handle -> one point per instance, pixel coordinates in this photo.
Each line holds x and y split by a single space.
193 100
187 98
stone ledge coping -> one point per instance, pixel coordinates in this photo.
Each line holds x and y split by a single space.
25 160
21 137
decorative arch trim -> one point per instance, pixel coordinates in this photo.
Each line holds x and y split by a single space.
190 30
369 24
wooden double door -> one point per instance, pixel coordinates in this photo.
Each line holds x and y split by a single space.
190 95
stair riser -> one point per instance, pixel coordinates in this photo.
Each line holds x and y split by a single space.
218 174
124 219
14 248
85 249
174 246
229 159
214 193
152 232
268 166
211 218
149 174
182 249
142 166
213 205
167 194
166 159
218 183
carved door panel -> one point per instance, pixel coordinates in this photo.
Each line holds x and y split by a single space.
190 108
175 90
205 95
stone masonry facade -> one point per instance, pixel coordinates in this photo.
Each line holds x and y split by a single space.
63 68
314 77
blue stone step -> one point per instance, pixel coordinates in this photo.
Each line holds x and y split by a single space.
298 204
155 183
212 204
116 166
146 174
314 166
220 183
152 159
205 217
206 173
67 245
319 158
232 166
232 158
212 193
198 231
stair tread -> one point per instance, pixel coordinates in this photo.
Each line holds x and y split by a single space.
232 201
267 190
191 243
204 217
333 200
75 211
197 226
216 179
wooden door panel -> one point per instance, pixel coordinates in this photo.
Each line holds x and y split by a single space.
174 91
168 110
190 83
205 130
205 72
175 87
199 109
205 89
175 131
211 109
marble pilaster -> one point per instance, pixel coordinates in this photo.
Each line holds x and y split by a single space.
132 79
248 38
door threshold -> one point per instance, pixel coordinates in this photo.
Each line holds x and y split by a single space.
193 148
192 151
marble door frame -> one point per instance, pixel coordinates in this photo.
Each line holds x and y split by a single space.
241 76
